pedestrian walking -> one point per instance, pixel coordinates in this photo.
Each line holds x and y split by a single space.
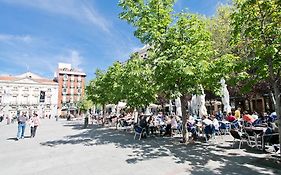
34 123
86 121
21 126
1 118
8 119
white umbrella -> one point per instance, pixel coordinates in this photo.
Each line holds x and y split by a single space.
201 104
193 105
113 108
202 107
178 106
225 96
153 106
120 106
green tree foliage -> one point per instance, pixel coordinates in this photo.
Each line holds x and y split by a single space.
224 62
138 86
85 104
181 46
131 82
150 17
257 25
106 87
220 28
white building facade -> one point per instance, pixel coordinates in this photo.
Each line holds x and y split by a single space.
22 94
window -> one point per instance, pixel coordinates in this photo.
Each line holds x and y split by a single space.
64 84
79 79
25 89
79 91
65 77
14 99
72 78
48 100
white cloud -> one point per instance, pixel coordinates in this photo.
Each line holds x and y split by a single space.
124 53
74 58
78 10
12 38
41 62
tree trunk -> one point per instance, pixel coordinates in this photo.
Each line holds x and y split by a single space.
184 118
278 108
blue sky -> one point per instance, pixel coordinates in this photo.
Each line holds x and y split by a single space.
37 34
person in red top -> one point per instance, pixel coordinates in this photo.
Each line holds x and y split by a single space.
230 117
248 118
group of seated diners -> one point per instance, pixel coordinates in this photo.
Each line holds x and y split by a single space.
206 125
160 123
265 125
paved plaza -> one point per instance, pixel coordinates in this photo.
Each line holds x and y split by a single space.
65 148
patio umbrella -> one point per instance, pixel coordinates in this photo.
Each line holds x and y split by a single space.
225 96
178 106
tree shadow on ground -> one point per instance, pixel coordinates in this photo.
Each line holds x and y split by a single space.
200 158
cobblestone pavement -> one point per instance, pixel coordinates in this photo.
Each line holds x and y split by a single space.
65 148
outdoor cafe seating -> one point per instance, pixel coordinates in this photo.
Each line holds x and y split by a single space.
238 135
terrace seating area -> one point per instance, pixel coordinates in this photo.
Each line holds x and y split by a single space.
261 134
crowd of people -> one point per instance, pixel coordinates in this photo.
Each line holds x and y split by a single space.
205 126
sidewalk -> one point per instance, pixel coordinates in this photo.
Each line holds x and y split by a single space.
65 148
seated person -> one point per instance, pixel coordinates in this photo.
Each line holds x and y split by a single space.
255 115
206 121
168 130
248 118
219 115
174 123
151 124
215 122
207 126
271 135
237 113
272 117
230 117
143 124
191 128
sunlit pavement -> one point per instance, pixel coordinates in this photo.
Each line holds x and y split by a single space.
65 148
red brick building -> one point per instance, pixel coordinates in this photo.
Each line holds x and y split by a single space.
71 87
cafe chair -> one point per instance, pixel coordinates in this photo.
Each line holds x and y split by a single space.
238 136
235 125
224 127
209 131
139 131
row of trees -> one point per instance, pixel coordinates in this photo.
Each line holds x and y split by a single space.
189 52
